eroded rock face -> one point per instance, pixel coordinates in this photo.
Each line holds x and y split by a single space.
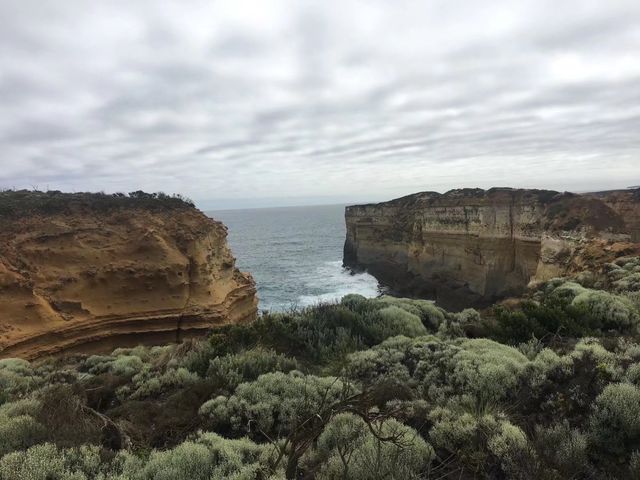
87 280
472 247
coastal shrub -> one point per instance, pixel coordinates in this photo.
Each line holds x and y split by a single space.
531 348
624 275
474 399
232 370
118 363
511 446
606 362
481 439
615 420
17 377
275 403
457 324
323 333
481 369
569 309
208 457
634 466
634 298
18 427
47 462
348 449
21 203
430 314
537 371
18 432
41 462
486 369
563 448
356 303
614 311
538 320
126 365
463 434
601 309
384 362
392 321
149 383
633 374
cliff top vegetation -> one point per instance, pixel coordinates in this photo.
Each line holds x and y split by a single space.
18 203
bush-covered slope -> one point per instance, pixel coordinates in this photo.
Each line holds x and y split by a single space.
381 388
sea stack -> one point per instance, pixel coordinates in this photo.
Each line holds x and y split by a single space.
471 247
91 272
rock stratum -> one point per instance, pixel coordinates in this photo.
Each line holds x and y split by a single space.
91 272
472 247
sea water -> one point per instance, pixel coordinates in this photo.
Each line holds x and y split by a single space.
294 254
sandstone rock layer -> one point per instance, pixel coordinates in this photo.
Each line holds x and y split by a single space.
90 280
471 247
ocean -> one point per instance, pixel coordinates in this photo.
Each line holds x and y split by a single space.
294 254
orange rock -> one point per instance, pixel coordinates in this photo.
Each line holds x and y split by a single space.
92 280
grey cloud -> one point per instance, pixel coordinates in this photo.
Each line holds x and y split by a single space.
245 99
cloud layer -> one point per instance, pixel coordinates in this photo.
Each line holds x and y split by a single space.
324 99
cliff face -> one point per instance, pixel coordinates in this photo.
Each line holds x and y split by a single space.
471 247
87 279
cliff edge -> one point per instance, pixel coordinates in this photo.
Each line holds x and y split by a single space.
91 272
471 247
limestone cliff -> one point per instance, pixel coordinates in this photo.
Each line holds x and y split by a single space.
92 272
471 247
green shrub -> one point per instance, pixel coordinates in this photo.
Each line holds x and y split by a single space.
19 432
601 309
569 309
487 370
563 448
127 365
324 333
22 203
17 377
463 434
152 384
430 314
276 403
232 370
634 466
633 374
355 302
511 446
208 457
393 321
348 449
46 462
615 421
381 363
118 363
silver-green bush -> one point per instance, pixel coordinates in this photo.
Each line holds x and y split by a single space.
615 421
348 449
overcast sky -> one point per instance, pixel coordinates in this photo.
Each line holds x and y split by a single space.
244 103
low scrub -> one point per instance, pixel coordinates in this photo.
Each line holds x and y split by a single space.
362 389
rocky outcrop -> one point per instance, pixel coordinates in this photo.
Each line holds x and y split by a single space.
471 247
89 273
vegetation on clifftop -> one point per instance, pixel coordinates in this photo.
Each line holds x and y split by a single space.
362 389
15 203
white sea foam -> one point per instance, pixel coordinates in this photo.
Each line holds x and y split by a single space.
335 282
294 255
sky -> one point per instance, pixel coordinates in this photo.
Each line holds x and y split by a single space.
259 103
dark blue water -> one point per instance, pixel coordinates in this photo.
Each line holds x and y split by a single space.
294 254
